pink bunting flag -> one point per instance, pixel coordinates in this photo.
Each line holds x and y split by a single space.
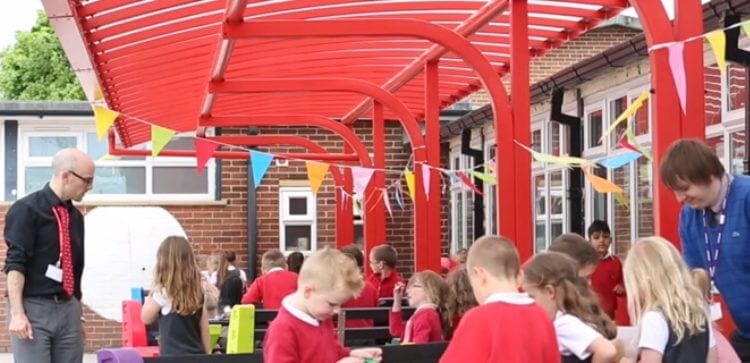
627 145
204 150
677 65
361 177
387 202
468 182
426 180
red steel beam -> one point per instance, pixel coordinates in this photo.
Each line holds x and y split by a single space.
430 258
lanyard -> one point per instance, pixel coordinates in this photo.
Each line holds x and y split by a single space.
712 249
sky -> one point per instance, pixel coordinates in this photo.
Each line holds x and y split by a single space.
14 16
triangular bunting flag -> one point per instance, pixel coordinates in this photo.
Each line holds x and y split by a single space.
566 161
746 28
261 161
426 180
677 65
103 118
718 41
160 137
454 177
316 172
343 198
468 182
361 179
600 184
409 176
107 157
633 142
622 200
98 96
204 150
630 111
397 194
484 177
387 203
617 161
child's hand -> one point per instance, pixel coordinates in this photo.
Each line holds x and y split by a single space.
398 291
369 354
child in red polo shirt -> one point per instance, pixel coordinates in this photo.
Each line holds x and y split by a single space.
508 326
428 294
607 278
368 297
383 260
303 331
275 284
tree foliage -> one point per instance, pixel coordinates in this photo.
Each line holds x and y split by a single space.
35 68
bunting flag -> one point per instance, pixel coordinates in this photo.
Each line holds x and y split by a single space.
387 202
484 177
344 196
622 200
397 194
746 28
316 172
160 137
677 65
107 157
204 150
468 182
566 161
600 184
490 166
426 180
718 42
361 177
617 161
409 176
103 118
632 142
261 161
625 115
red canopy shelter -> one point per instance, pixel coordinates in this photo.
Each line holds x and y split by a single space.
187 65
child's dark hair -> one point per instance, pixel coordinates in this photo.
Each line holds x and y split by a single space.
598 226
294 261
572 292
576 247
355 253
387 254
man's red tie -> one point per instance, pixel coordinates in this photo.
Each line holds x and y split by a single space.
66 253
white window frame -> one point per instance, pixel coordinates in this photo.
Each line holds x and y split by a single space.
310 218
489 188
459 239
80 127
2 159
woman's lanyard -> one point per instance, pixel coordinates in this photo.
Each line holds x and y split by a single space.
713 249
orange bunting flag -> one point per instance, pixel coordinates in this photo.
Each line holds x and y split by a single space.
600 184
103 118
160 137
316 172
204 150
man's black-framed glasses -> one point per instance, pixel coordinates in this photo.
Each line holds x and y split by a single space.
83 179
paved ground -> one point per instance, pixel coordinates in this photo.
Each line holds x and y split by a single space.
8 358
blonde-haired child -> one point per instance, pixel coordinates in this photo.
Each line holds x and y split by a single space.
462 296
302 331
666 306
428 294
583 329
177 301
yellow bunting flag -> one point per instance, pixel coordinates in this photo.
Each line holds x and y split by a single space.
718 42
600 184
104 118
630 111
107 157
622 200
746 28
316 172
484 177
567 161
160 137
98 96
409 176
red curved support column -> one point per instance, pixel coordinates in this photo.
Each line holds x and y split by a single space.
432 220
509 220
374 210
669 123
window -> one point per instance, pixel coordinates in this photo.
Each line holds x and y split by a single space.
2 160
359 228
121 179
490 190
462 205
616 108
549 187
297 219
736 94
594 128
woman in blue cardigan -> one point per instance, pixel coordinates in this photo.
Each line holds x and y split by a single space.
714 226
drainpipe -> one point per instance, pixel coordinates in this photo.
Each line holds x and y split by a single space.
252 218
575 140
478 157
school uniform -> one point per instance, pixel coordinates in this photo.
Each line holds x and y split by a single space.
295 336
178 334
271 288
607 275
423 327
508 328
384 286
574 337
657 334
368 298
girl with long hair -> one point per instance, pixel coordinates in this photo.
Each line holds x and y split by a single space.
428 293
462 296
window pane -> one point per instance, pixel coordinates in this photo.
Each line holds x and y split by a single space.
298 206
536 140
119 180
738 152
641 119
600 200
493 209
94 147
540 209
595 128
297 237
555 229
737 92
460 222
556 193
645 201
359 236
36 177
469 196
540 238
712 84
616 108
179 180
554 131
49 145
622 226
717 143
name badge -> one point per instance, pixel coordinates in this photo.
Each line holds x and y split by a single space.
53 272
716 311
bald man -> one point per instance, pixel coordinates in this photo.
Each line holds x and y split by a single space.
44 264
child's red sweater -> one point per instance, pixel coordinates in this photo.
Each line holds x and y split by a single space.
271 288
368 298
607 275
423 327
384 287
